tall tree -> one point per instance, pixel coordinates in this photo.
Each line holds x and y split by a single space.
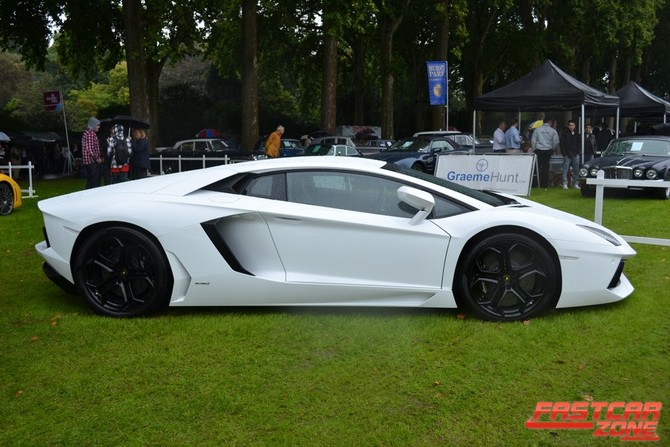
391 13
250 128
329 81
91 35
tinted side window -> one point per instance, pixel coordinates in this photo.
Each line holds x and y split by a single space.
355 192
266 187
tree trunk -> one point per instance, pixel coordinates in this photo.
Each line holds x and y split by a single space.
133 20
329 83
441 54
388 27
249 93
359 81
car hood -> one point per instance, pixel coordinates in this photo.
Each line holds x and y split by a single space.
631 161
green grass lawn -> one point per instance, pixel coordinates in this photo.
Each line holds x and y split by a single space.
331 377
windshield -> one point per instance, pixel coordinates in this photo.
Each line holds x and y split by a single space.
291 144
219 145
410 145
638 147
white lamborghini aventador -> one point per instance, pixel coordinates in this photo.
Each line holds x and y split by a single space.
324 231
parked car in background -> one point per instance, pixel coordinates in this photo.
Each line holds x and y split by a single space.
419 153
462 138
10 195
632 158
290 147
214 150
341 150
334 140
373 146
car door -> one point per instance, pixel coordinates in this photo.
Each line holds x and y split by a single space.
350 229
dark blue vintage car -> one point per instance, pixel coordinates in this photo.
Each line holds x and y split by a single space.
419 153
632 158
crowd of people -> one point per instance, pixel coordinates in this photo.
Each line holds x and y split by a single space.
542 138
113 158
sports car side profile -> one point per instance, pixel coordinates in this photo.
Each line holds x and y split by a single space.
10 195
324 231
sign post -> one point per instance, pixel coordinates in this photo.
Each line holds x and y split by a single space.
52 101
438 86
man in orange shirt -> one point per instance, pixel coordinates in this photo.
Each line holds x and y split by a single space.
273 142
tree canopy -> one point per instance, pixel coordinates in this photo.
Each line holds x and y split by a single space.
313 64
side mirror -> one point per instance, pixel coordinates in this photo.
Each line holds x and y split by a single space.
422 201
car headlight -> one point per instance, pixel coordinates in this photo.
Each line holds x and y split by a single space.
594 172
583 172
638 173
651 174
602 233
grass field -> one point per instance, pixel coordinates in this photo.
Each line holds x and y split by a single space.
322 377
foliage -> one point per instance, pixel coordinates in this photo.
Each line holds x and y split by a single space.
490 43
321 377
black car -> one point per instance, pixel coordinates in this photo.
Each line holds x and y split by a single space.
199 153
462 139
419 153
631 158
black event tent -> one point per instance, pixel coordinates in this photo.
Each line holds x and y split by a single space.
636 102
547 87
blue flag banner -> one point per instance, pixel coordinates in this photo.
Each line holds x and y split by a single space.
437 82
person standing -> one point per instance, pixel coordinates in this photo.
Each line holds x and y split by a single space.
604 136
91 156
570 150
544 142
105 173
499 137
273 143
512 137
119 150
590 143
139 160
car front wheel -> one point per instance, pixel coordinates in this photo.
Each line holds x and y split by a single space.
6 199
121 272
508 277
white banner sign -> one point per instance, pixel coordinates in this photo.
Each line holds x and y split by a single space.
505 173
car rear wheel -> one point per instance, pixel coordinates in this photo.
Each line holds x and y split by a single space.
121 272
508 277
6 199
418 167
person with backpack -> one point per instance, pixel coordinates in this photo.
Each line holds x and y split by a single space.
119 150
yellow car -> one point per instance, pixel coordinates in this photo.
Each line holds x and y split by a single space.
10 195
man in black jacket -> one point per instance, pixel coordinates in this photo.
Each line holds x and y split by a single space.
569 143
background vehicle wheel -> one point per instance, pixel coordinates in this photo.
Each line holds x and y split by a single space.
418 167
122 273
508 277
6 199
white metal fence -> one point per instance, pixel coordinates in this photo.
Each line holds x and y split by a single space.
11 168
601 183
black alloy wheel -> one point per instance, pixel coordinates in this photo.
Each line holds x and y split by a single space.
508 277
122 273
6 199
